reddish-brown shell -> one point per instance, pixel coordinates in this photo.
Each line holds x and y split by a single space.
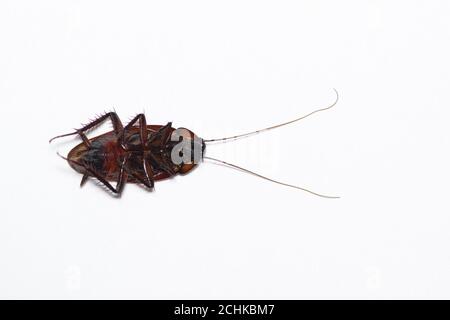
111 151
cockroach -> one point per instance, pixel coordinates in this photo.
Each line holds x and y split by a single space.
142 153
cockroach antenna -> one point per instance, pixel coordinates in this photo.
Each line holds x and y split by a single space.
267 129
269 179
275 126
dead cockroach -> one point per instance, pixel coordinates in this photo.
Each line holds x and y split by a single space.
141 153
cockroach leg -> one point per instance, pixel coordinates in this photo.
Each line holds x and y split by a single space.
146 181
120 183
117 125
163 133
85 139
123 176
84 179
148 173
122 179
142 127
161 163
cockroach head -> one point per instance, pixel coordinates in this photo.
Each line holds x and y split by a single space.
188 148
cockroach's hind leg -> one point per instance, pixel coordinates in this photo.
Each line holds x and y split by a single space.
119 186
117 125
85 139
77 131
122 180
84 179
115 120
60 136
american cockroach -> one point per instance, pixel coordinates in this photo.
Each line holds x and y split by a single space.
142 153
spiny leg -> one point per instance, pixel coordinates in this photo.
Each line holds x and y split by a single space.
117 125
120 183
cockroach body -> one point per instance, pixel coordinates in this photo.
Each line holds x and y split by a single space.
136 154
141 153
105 155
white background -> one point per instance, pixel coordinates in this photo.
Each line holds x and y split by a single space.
222 68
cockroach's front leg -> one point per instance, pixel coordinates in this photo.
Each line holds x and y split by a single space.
159 139
117 125
161 136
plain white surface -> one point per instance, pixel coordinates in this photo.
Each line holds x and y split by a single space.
221 68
